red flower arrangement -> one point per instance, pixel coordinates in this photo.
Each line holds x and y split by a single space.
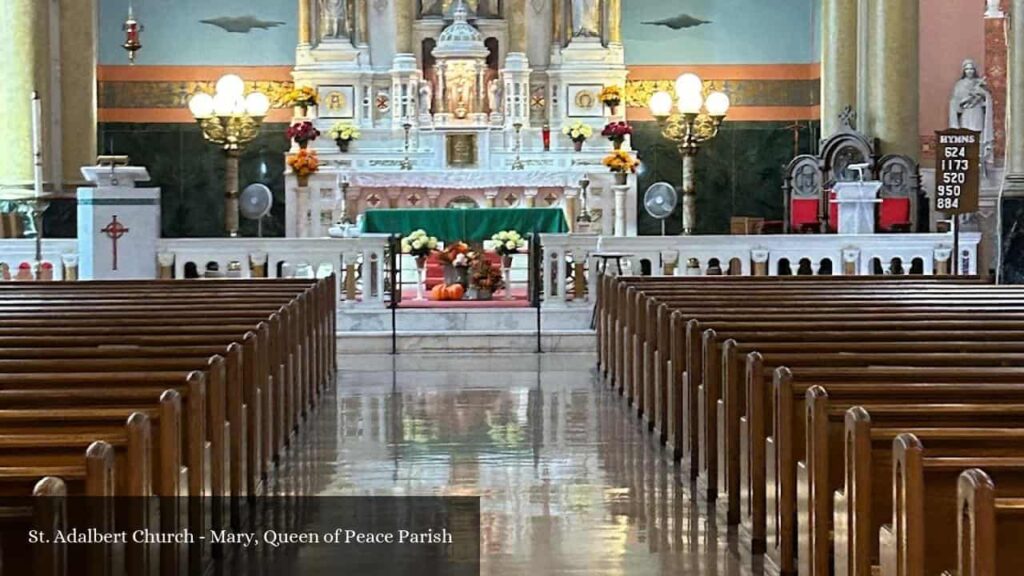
617 131
303 133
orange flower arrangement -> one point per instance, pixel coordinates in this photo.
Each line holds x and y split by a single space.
304 164
621 162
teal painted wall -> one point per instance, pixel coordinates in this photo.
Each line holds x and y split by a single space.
174 35
739 32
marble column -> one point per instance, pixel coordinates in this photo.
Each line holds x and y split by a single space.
558 24
404 17
515 15
304 22
838 61
995 73
892 79
78 56
363 23
614 21
24 67
620 209
1012 239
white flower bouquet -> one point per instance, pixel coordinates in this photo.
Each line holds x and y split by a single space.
419 244
508 242
344 131
578 131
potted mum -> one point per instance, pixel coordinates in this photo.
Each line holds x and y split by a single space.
506 244
611 96
304 164
302 133
456 259
578 132
485 279
420 245
622 164
616 132
343 133
302 99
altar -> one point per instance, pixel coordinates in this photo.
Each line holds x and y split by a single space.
462 120
451 225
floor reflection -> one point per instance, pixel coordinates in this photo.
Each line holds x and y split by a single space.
568 481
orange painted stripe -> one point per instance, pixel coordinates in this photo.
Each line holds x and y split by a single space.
747 114
729 71
110 73
170 115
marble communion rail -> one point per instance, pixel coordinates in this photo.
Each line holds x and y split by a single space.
569 261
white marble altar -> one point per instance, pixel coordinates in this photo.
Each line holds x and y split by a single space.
459 118
118 225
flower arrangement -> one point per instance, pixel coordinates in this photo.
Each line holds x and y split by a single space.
303 97
303 164
419 244
457 254
578 131
485 278
303 133
620 162
508 242
611 96
344 131
616 132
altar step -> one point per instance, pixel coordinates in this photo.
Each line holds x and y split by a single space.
470 330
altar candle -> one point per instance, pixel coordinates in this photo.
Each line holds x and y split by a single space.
37 141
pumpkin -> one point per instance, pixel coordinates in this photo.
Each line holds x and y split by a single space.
454 292
437 292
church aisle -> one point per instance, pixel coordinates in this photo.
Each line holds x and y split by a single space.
569 484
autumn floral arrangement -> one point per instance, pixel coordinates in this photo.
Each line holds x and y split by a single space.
611 96
485 279
456 254
303 97
620 162
304 163
303 133
343 133
616 132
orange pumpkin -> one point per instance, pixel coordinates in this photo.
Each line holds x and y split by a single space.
454 292
437 292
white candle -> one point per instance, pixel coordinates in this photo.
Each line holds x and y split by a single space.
37 141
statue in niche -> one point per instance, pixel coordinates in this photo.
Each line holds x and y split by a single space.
333 19
586 18
971 107
494 96
426 97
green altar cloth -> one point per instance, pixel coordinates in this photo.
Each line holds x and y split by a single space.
470 225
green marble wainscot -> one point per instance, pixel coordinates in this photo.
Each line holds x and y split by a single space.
1012 271
739 173
190 174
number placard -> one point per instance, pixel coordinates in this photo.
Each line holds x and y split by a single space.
957 171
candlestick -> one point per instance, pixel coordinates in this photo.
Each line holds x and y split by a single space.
37 142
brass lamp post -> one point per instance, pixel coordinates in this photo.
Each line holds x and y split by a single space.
697 122
230 120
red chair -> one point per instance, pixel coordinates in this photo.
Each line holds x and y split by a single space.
803 213
894 215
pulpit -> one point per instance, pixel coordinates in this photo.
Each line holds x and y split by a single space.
118 224
856 206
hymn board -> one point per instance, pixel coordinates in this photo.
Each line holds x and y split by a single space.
957 178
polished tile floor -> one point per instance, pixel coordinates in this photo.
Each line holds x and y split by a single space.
569 484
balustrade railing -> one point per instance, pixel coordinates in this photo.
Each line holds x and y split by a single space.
571 261
18 258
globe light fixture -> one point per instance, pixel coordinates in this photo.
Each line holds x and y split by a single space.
697 122
230 119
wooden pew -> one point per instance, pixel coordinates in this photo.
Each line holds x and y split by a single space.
990 527
922 538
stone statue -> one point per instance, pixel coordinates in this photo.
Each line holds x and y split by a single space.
426 97
586 18
494 96
971 107
333 19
